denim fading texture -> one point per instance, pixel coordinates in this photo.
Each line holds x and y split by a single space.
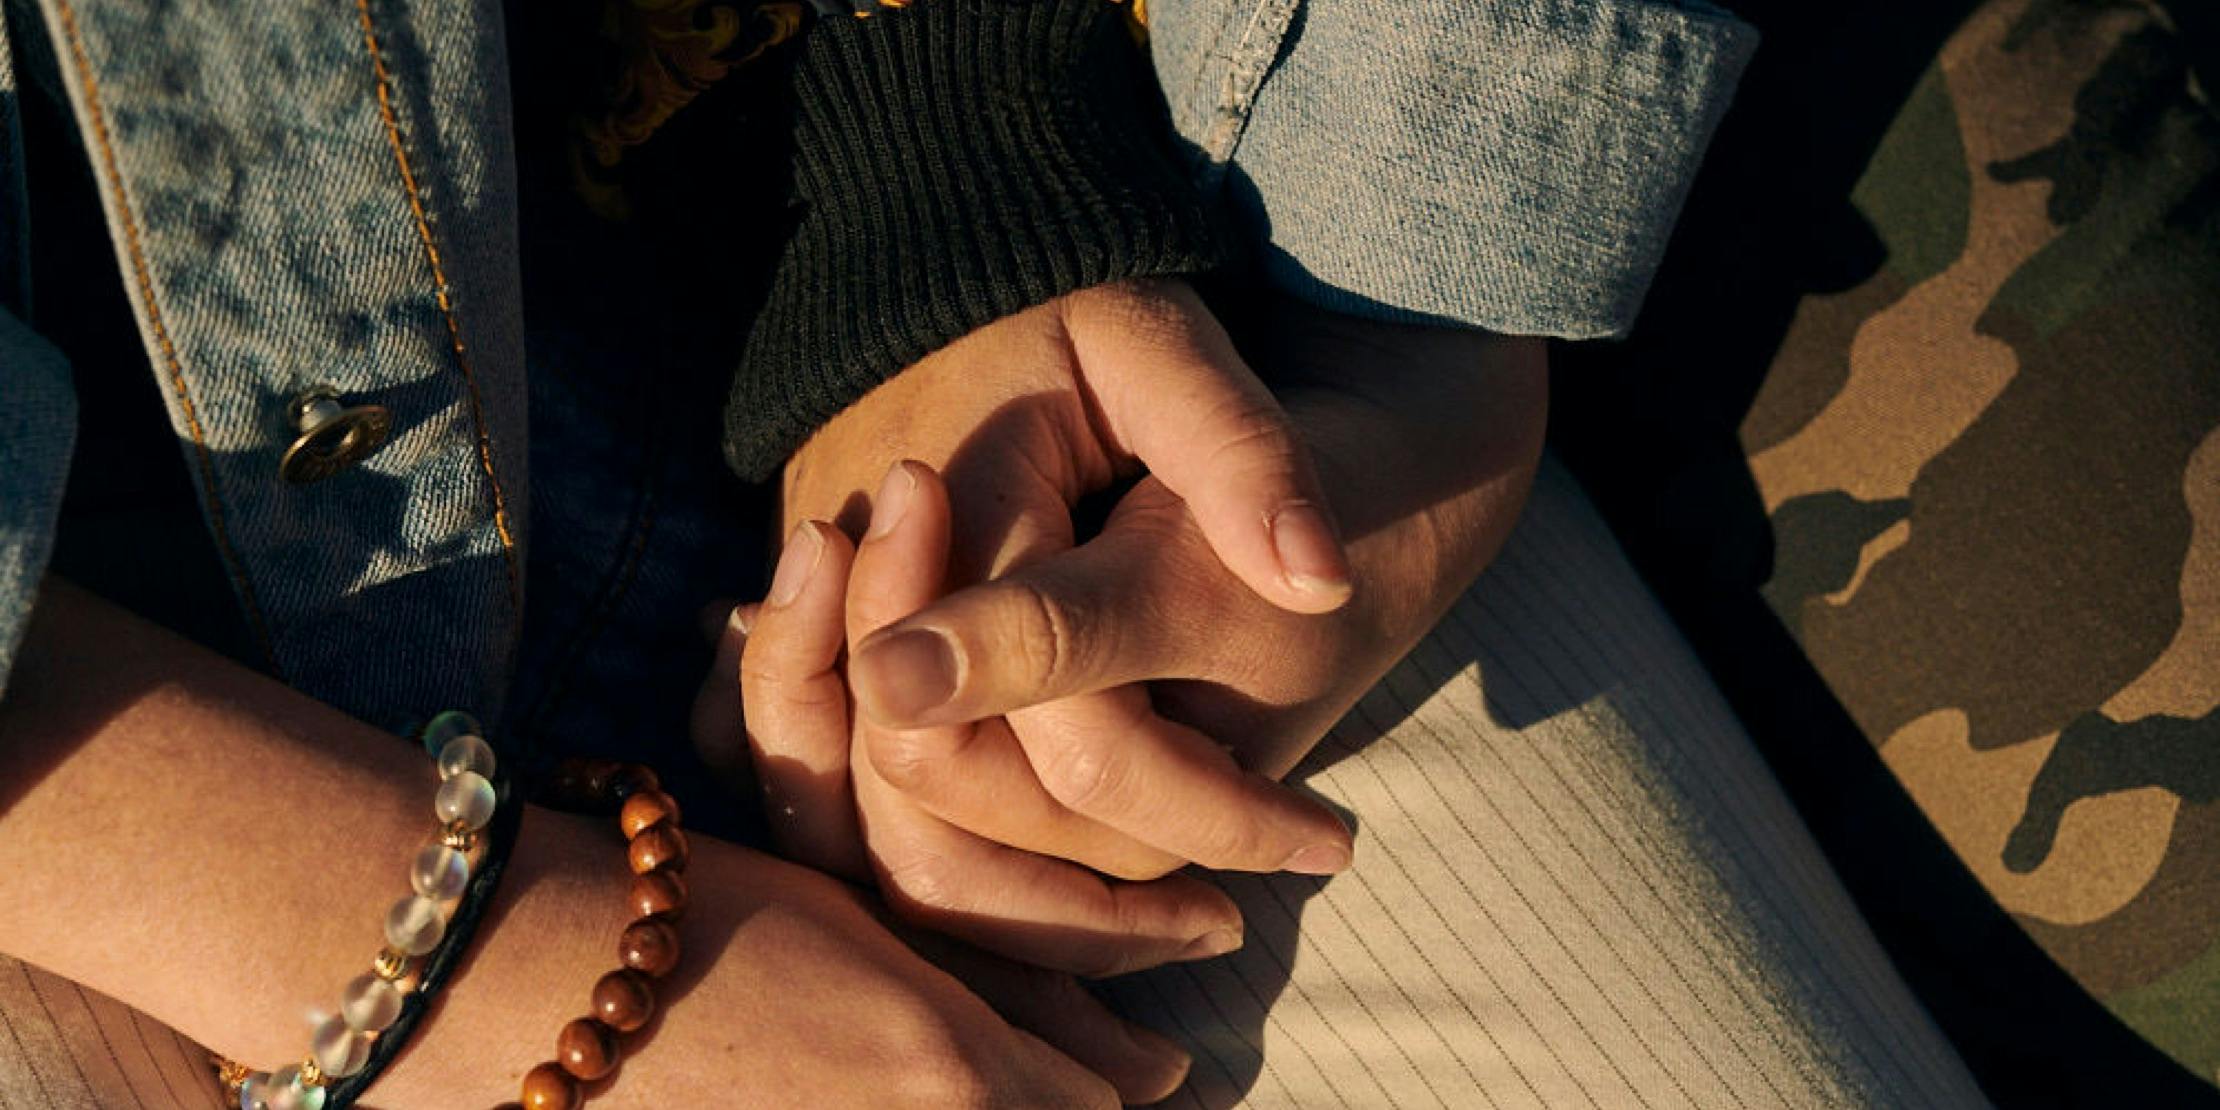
284 249
271 244
1513 166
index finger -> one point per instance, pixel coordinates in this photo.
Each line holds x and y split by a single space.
1068 636
1109 757
1073 623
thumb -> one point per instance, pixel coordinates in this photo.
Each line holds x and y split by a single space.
1175 395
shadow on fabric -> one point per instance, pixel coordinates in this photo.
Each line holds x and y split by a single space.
1655 428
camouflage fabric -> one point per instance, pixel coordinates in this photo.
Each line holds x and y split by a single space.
1993 474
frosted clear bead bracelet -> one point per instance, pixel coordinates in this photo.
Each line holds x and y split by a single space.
439 874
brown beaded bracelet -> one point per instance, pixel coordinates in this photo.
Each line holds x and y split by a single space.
623 1000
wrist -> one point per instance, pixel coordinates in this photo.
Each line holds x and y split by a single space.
549 933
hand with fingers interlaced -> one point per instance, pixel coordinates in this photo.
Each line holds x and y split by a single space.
1023 418
1021 751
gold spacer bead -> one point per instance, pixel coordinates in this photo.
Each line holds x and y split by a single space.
458 836
311 1075
231 1073
391 964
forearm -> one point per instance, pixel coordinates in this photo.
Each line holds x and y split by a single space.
173 836
219 851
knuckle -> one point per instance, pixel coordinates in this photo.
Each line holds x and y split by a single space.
1252 439
1231 843
818 697
1088 776
1132 918
908 761
765 661
759 666
1043 634
776 690
925 889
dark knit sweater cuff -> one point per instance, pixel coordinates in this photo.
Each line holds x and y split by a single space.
957 161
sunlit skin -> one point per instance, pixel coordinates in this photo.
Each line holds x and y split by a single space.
217 850
1426 442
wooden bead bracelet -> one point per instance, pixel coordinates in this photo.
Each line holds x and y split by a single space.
587 1049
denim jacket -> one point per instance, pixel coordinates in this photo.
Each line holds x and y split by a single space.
1512 166
308 197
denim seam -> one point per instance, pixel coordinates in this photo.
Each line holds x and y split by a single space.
1246 67
1209 57
128 226
446 305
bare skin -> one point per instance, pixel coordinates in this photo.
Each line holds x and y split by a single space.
1426 441
217 850
1023 418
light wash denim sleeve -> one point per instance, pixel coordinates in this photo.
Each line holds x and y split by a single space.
1512 165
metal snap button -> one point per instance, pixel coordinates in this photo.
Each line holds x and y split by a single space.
333 436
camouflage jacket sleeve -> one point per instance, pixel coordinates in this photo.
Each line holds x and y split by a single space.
1515 166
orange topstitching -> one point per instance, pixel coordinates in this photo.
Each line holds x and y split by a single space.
446 308
129 226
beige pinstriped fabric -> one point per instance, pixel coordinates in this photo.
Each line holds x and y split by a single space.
1576 885
67 1047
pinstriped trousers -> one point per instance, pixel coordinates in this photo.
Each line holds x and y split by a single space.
1576 884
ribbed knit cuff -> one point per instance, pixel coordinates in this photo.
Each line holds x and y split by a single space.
958 161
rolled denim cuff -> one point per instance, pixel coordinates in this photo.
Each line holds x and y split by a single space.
38 426
1515 166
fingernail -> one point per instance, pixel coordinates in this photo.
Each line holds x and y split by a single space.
1310 557
893 501
1215 943
796 564
905 674
1318 859
738 621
